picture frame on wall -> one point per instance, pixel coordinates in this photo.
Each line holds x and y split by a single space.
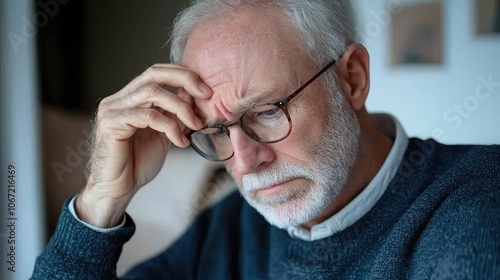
417 35
487 15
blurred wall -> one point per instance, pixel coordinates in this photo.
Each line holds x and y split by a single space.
436 101
121 40
22 231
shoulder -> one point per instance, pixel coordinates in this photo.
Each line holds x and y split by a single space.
435 161
462 233
463 181
462 236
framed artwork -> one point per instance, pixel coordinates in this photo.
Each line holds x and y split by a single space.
417 35
487 17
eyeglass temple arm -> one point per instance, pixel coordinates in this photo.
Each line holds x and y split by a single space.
312 79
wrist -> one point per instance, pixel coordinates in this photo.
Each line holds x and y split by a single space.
99 211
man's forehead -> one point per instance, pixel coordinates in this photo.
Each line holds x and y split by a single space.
240 29
225 106
247 61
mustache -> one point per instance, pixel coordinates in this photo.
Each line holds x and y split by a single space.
272 176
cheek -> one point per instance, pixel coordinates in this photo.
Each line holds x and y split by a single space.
308 127
301 146
236 176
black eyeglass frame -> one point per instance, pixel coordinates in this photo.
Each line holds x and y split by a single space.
282 104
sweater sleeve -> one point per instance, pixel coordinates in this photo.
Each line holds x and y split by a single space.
76 251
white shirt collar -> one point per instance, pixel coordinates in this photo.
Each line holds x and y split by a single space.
365 201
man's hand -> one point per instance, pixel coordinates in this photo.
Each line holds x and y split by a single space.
133 132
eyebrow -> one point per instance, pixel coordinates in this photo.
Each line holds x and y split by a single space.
249 104
266 97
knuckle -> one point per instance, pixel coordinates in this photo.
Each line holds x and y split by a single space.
183 106
150 114
103 103
147 93
102 111
100 114
150 91
103 124
149 74
105 119
156 65
109 119
191 76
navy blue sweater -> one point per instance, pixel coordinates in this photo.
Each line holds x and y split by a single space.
438 219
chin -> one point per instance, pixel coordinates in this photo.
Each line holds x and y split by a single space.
290 209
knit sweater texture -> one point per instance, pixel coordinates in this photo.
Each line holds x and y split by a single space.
438 219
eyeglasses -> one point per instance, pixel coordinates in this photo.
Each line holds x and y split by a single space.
267 123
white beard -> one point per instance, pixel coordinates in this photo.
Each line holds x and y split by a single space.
326 177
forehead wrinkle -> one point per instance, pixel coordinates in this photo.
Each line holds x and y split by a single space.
263 64
232 98
216 74
253 102
224 111
227 114
239 109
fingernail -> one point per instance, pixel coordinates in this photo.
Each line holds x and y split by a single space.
185 140
198 122
204 88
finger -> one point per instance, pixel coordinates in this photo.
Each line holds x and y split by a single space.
173 76
155 96
171 65
123 124
186 96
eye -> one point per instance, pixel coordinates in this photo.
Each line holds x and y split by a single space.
270 112
220 132
218 137
269 116
213 131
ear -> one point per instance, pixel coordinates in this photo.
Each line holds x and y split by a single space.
353 75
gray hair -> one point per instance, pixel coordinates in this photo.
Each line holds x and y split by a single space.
325 27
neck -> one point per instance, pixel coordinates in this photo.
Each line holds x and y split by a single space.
374 146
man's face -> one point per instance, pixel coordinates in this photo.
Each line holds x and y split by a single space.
250 58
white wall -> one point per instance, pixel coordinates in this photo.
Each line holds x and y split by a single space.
425 98
21 231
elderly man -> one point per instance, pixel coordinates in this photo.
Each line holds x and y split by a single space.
276 90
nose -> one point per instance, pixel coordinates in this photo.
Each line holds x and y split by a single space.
249 154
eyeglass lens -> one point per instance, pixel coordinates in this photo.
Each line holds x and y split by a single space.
266 124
